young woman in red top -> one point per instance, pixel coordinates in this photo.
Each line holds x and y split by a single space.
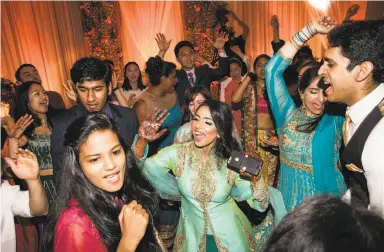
103 203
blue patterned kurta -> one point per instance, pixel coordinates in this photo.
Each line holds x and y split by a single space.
308 160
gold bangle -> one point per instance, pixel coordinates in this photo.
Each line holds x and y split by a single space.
295 45
313 29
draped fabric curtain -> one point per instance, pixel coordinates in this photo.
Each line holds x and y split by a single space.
140 23
45 34
292 15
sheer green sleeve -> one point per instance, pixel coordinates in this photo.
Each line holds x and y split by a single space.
156 169
282 104
260 197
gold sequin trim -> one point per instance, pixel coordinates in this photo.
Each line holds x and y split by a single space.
230 177
204 187
180 161
159 240
179 241
248 235
303 167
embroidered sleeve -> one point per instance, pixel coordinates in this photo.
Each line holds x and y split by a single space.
156 169
257 197
282 104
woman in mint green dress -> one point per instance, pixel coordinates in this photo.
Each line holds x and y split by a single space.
210 220
309 137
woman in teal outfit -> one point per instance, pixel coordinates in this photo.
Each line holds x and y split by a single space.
309 137
210 220
161 95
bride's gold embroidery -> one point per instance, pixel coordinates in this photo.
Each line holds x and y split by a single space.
179 241
204 185
248 235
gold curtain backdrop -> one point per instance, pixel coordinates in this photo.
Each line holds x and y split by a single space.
45 34
140 23
49 34
292 15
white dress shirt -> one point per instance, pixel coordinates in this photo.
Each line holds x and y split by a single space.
13 202
373 152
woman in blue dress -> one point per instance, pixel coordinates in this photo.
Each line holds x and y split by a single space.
309 136
161 96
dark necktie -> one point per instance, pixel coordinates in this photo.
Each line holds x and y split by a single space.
191 80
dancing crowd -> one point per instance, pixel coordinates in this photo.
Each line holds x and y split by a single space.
141 164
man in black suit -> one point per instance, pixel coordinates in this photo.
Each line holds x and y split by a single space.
189 75
92 78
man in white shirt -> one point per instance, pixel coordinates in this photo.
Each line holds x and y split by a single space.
354 69
14 202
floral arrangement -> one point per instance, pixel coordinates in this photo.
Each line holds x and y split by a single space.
100 30
200 16
7 91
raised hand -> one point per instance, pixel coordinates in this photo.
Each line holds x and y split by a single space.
70 91
220 40
250 65
352 10
162 42
149 128
133 220
26 165
17 130
114 80
236 49
324 24
274 22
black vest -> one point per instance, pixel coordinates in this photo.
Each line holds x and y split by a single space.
353 169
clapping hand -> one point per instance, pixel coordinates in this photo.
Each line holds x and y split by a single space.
69 90
324 24
149 128
162 42
17 130
26 165
274 22
220 40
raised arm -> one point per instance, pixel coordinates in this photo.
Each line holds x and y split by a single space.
282 104
26 167
242 24
163 44
223 69
156 169
277 43
117 92
351 12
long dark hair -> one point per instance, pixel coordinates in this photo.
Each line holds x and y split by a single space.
325 223
308 77
222 117
100 206
22 107
190 95
126 85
